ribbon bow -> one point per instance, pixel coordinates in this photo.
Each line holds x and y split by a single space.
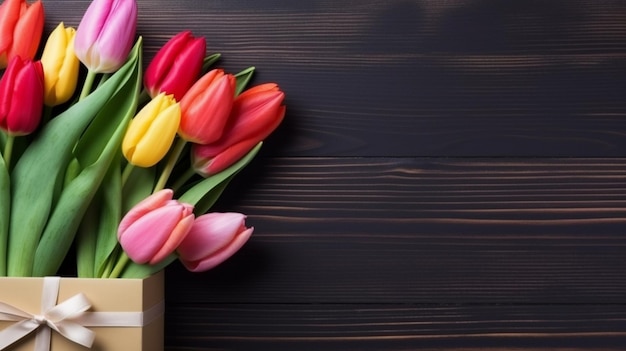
57 318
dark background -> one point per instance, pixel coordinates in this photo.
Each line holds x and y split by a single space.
450 175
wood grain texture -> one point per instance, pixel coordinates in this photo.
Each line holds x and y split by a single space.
410 230
420 78
398 327
450 175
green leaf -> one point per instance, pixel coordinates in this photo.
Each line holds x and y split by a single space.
110 216
138 186
73 169
203 189
139 271
63 223
86 240
204 205
42 165
210 61
5 200
66 215
243 78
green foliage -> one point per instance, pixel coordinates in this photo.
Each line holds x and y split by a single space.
48 226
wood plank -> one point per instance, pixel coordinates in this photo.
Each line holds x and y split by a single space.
419 78
405 230
395 327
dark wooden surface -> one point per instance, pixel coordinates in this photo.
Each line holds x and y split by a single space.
451 175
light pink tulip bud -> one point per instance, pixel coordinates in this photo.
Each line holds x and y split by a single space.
213 238
106 34
154 228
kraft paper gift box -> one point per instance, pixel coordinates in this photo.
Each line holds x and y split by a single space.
143 298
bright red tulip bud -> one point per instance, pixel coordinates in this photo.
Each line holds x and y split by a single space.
256 113
176 66
106 34
208 160
154 228
21 26
21 97
206 106
213 238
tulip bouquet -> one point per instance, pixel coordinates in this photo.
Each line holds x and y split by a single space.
121 164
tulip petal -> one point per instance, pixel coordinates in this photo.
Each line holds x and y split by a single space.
206 107
220 256
22 97
9 16
27 32
150 203
210 233
222 160
176 66
105 34
145 237
152 131
177 235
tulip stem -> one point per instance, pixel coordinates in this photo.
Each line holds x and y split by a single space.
171 162
8 150
108 268
126 173
89 79
120 265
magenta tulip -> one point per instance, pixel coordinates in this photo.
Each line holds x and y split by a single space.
21 97
213 238
206 106
106 34
154 228
255 114
176 66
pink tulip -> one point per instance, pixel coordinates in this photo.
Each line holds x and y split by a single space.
154 228
206 106
176 66
21 97
255 114
214 237
106 34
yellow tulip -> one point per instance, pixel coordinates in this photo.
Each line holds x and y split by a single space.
152 131
60 66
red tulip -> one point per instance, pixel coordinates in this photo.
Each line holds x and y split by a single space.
154 228
206 106
213 238
21 26
256 113
208 160
21 97
176 66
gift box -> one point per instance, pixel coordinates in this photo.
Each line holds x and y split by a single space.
111 314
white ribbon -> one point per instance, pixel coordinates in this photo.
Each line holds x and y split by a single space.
67 318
